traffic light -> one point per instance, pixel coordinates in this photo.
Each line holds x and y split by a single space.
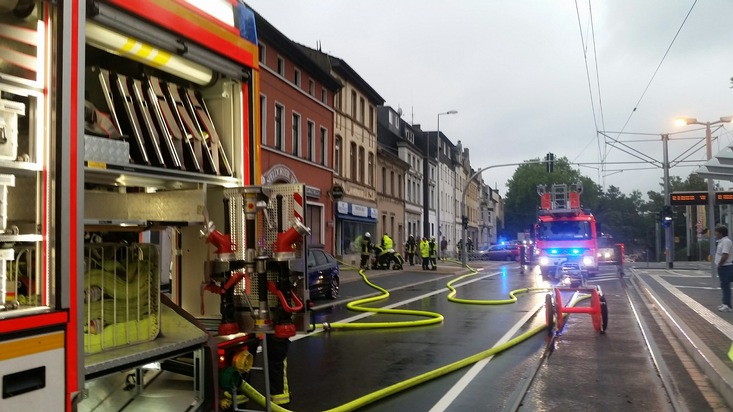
550 159
666 215
464 220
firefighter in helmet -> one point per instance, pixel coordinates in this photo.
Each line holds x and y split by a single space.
432 252
410 248
366 249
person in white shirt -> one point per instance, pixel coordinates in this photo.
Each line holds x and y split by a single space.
725 265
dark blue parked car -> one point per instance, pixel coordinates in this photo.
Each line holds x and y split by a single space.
323 274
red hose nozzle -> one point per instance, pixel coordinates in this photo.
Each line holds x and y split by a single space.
286 240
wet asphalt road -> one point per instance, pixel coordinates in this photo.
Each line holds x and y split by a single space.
586 370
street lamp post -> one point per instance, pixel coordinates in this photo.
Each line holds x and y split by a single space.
711 188
437 158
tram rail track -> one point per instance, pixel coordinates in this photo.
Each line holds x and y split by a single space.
663 373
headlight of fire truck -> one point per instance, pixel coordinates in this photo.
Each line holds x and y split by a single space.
588 261
544 261
607 255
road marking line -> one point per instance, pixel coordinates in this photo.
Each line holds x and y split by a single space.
462 383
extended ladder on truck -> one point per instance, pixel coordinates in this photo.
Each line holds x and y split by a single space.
560 199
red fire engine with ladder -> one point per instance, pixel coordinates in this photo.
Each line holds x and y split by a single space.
565 233
125 127
566 247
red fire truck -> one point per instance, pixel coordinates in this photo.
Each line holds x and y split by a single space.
565 232
132 118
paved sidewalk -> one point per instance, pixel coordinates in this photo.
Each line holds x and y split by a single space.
690 296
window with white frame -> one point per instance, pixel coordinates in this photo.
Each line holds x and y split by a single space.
279 126
361 110
311 87
352 161
353 104
296 78
280 66
262 53
361 164
296 134
399 186
324 96
370 182
311 141
371 118
324 146
337 164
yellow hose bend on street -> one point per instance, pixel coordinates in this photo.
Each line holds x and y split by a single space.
356 305
512 294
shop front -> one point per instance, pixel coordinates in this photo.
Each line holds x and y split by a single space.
353 220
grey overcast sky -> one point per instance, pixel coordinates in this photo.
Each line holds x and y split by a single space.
530 77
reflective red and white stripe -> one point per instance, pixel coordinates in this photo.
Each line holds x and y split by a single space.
298 206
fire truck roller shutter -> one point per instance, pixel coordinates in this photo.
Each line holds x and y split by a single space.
185 53
122 45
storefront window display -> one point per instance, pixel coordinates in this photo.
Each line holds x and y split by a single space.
351 234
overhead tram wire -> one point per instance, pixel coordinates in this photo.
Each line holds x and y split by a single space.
606 134
636 106
641 155
682 158
587 75
602 154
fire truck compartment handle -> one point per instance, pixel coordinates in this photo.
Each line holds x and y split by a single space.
283 301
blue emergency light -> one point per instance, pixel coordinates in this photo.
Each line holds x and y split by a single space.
576 251
553 251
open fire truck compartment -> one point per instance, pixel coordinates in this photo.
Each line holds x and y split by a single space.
130 120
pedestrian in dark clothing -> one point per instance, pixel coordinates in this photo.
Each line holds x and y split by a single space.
725 265
433 251
443 248
410 248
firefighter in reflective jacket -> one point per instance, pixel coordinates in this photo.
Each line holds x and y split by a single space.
387 250
410 248
366 250
433 253
387 243
425 253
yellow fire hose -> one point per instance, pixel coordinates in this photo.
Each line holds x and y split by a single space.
356 305
409 383
258 398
